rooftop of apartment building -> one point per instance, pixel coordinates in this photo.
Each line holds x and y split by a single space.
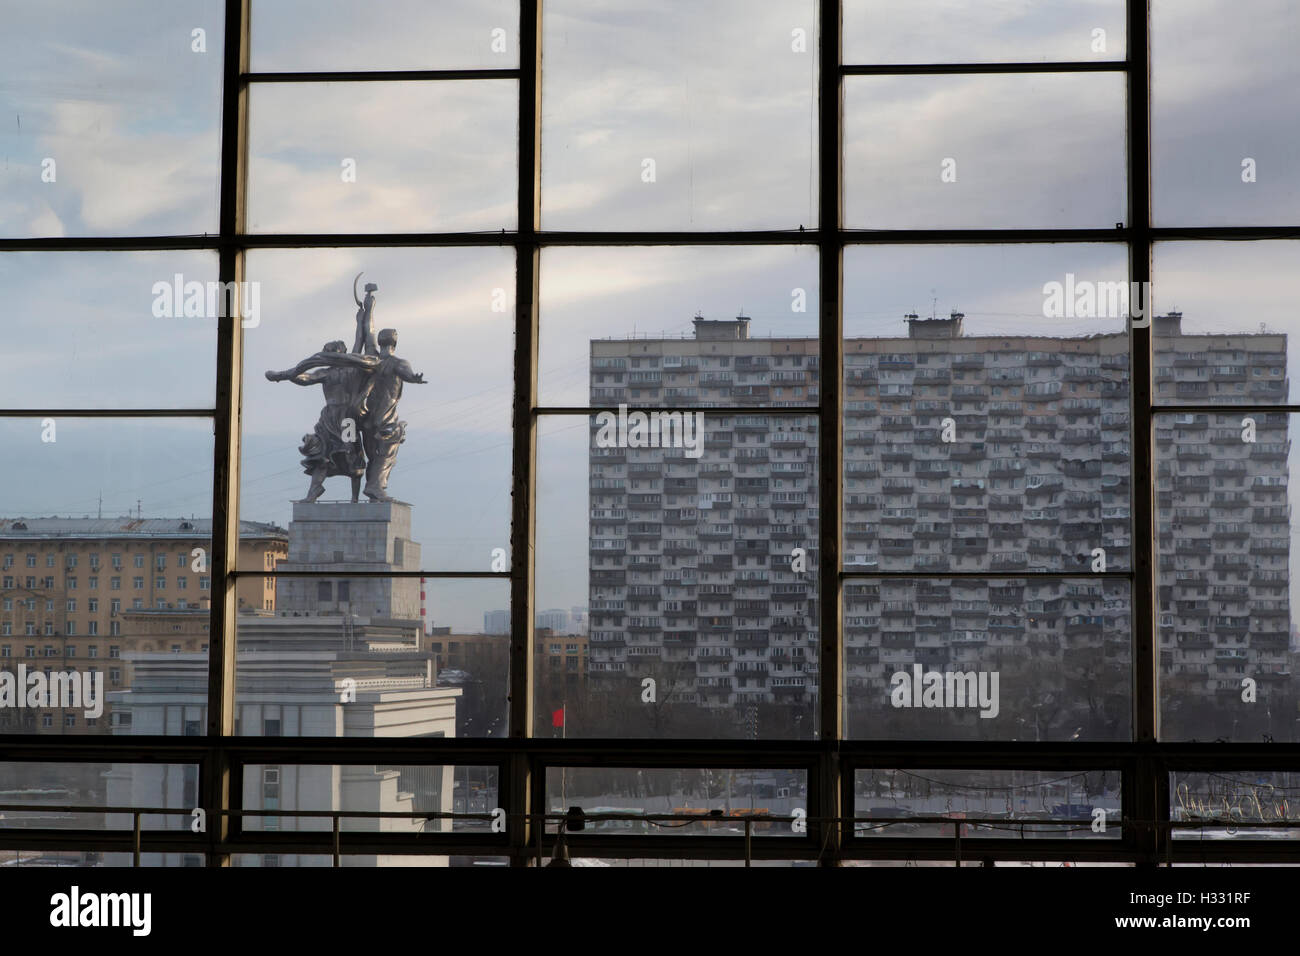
933 329
128 527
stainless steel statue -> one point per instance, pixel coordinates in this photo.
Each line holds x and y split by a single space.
358 432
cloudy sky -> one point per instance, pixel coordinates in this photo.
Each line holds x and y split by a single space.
718 98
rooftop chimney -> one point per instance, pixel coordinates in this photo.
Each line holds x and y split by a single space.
1171 324
949 328
721 329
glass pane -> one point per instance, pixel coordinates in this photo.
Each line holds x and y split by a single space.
1221 155
991 151
621 801
296 35
382 157
669 122
696 556
991 31
659 326
453 313
1234 805
1008 804
431 793
976 442
99 576
113 118
111 329
372 657
40 795
980 659
1227 343
1224 520
1070 290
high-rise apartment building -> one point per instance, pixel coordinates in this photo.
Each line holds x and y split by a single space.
974 455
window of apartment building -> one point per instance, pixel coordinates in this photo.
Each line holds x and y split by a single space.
92 650
137 604
8 604
92 582
137 583
70 629
205 584
115 675
115 606
47 721
92 605
138 560
29 650
7 581
114 628
160 583
115 584
31 560
49 560
92 627
116 560
181 581
72 604
114 651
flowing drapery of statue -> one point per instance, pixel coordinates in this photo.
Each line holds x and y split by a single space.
358 432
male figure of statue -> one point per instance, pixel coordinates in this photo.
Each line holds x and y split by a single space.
335 446
381 432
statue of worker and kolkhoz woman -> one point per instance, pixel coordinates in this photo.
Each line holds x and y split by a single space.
358 433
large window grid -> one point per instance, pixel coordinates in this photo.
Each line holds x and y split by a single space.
522 761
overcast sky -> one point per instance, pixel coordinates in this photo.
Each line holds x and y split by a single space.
717 95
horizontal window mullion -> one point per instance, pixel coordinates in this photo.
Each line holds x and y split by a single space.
383 76
927 69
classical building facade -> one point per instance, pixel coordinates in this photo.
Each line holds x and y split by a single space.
74 593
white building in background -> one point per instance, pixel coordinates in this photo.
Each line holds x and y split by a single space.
349 668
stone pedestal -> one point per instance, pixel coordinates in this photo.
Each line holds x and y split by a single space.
340 537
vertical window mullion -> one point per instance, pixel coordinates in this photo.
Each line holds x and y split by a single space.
1146 651
217 791
524 423
830 679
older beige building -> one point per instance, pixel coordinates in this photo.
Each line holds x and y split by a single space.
76 593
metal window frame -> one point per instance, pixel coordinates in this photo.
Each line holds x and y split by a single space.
522 760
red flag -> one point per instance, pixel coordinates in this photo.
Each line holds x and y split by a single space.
557 718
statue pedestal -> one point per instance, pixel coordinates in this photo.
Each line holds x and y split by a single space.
342 537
